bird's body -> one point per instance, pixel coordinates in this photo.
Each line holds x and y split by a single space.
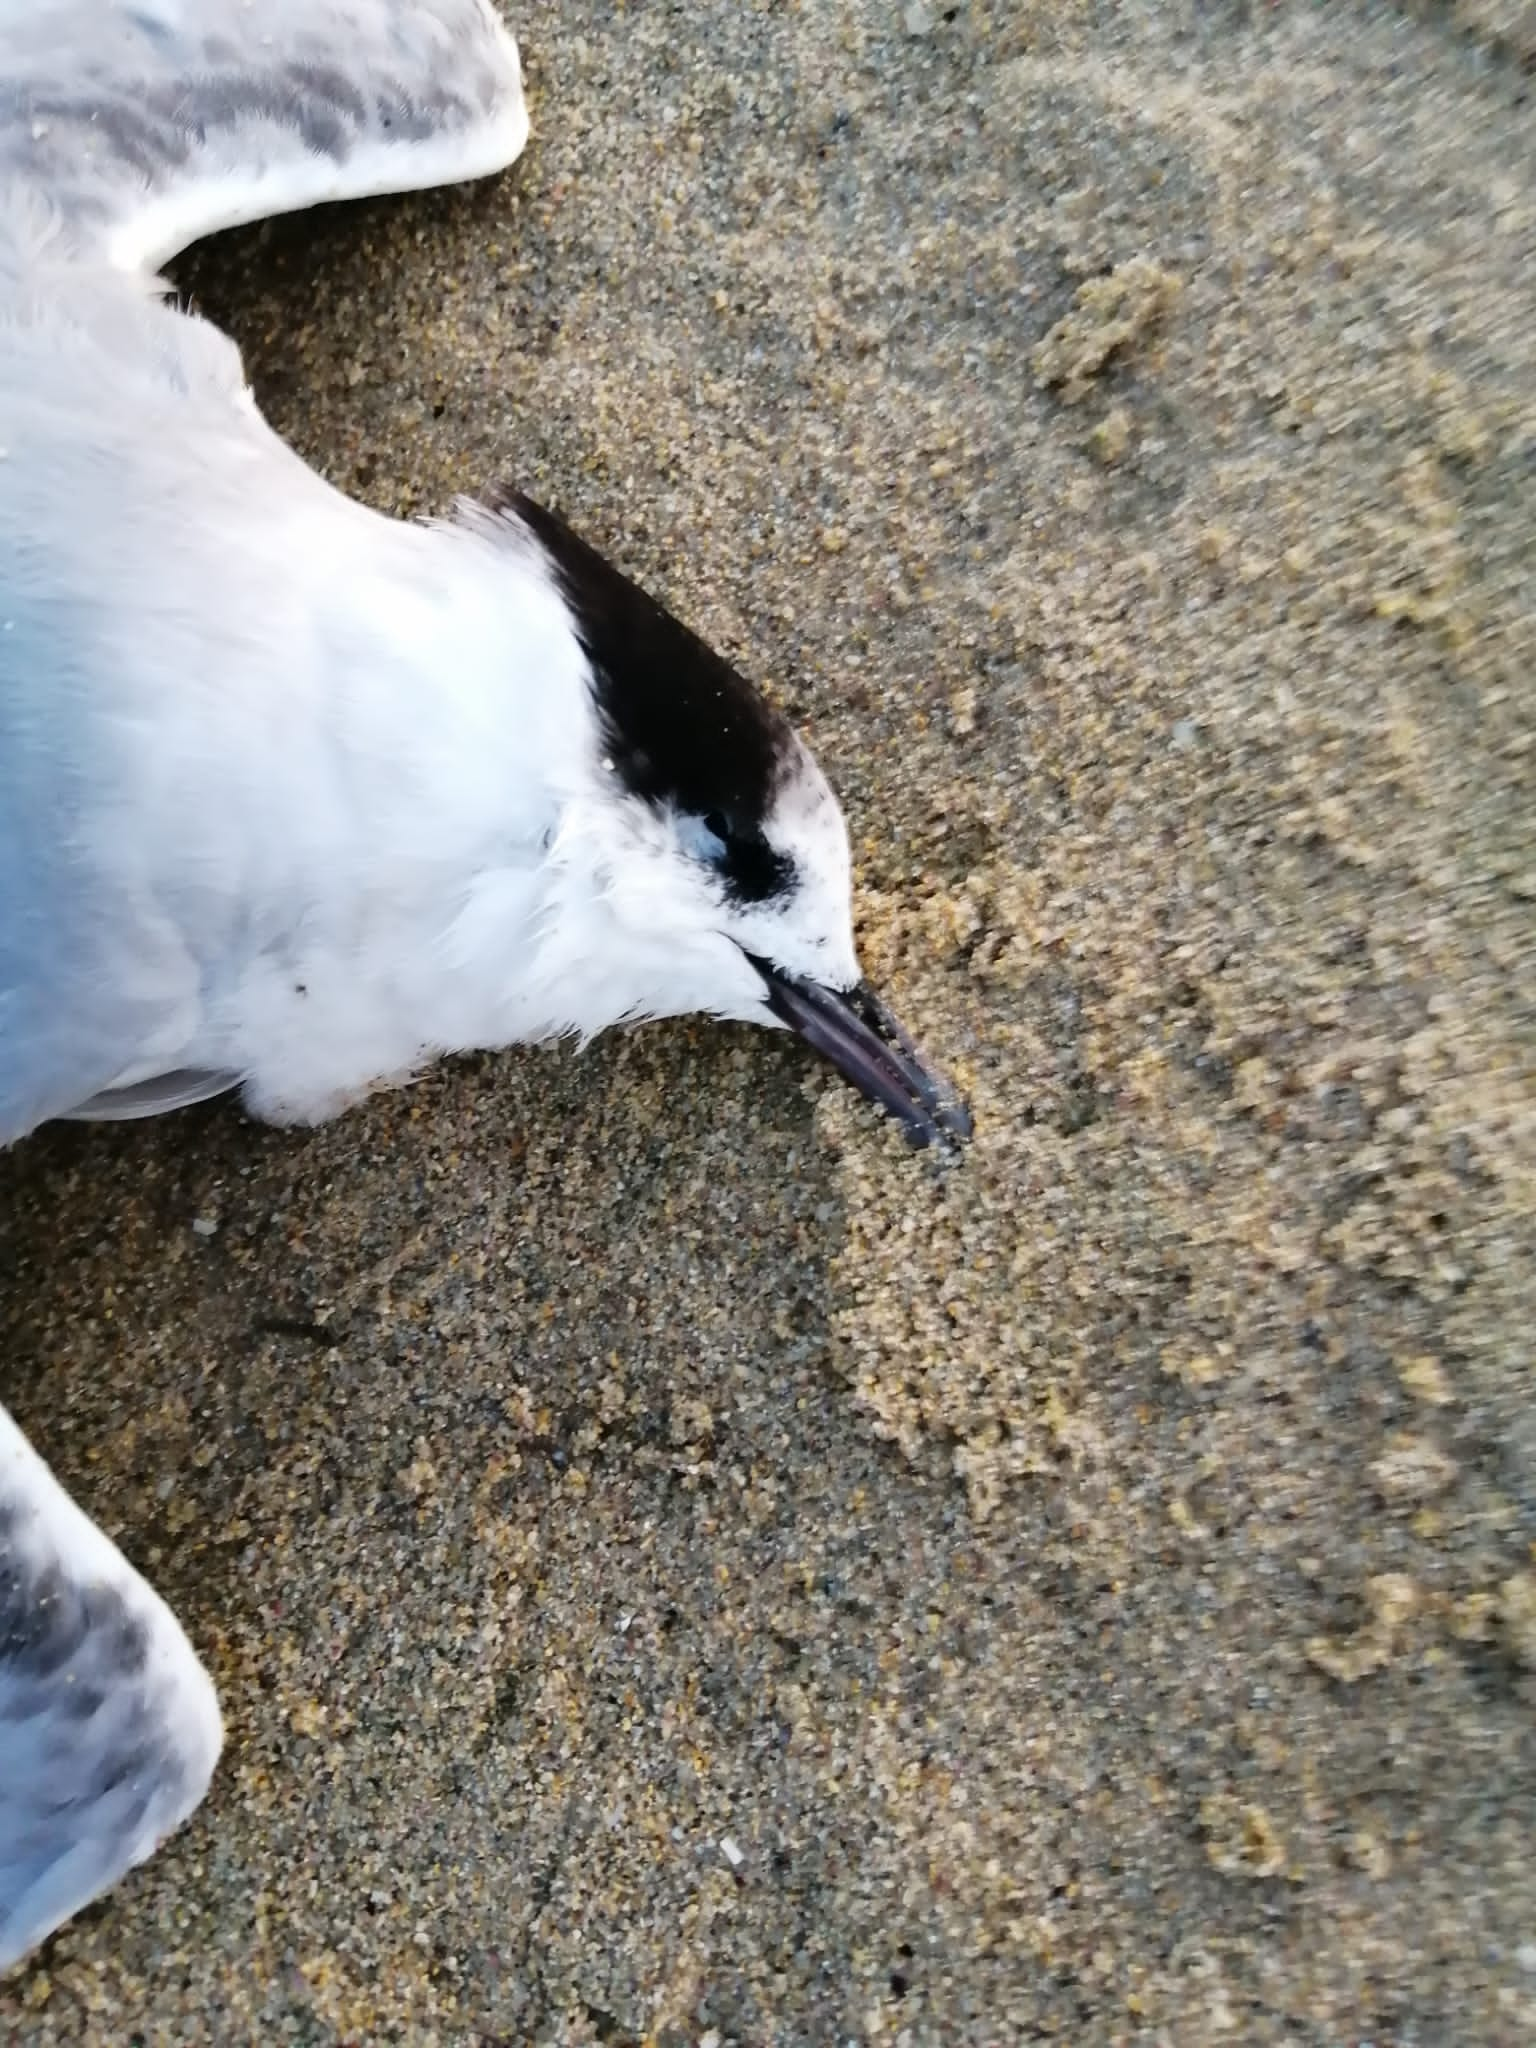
294 797
312 821
185 602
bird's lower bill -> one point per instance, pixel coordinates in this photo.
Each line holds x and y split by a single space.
858 1034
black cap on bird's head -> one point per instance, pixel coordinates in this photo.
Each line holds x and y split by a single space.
685 735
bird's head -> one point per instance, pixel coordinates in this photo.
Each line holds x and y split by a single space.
712 845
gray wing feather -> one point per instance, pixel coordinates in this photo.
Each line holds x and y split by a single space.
146 124
178 1090
109 1726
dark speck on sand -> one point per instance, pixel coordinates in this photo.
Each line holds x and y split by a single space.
679 1570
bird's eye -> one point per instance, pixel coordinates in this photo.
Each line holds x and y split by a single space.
740 855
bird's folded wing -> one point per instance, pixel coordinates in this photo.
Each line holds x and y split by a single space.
145 124
178 1090
109 1728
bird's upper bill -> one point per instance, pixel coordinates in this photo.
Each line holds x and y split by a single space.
859 1035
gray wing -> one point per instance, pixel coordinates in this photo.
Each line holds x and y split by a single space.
176 1090
145 124
109 1726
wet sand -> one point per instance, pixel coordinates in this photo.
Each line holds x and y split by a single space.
678 1567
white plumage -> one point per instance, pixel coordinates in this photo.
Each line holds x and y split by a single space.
294 797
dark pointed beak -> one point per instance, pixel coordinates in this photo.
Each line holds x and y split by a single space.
861 1038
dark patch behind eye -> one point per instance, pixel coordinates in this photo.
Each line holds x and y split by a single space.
684 730
751 869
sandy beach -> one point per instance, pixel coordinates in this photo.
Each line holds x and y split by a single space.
679 1567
